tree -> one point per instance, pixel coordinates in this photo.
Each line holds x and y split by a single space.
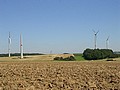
95 54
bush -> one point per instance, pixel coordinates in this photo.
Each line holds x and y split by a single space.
71 58
88 54
95 54
110 59
58 58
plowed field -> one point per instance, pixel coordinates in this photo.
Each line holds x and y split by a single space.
60 75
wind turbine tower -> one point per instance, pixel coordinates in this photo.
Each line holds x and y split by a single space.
9 44
95 38
107 41
21 47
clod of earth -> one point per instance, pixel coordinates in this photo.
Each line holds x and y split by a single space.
60 75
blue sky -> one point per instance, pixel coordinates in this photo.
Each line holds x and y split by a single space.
59 25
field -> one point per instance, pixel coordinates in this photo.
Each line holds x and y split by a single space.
31 74
79 57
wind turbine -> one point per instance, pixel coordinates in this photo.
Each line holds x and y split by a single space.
9 44
51 52
95 38
107 40
21 47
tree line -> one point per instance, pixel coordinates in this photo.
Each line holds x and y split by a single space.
95 54
18 54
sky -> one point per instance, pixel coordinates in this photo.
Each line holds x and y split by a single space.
59 26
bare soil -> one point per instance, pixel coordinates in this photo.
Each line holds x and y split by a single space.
52 75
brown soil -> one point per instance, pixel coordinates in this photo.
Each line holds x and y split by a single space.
60 75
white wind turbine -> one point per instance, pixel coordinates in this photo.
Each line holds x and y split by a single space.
107 41
21 47
9 44
95 38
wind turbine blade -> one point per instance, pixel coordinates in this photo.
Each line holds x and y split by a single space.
97 32
9 34
20 40
108 38
9 39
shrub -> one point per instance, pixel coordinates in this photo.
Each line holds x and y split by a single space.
95 54
71 58
87 54
110 59
58 58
